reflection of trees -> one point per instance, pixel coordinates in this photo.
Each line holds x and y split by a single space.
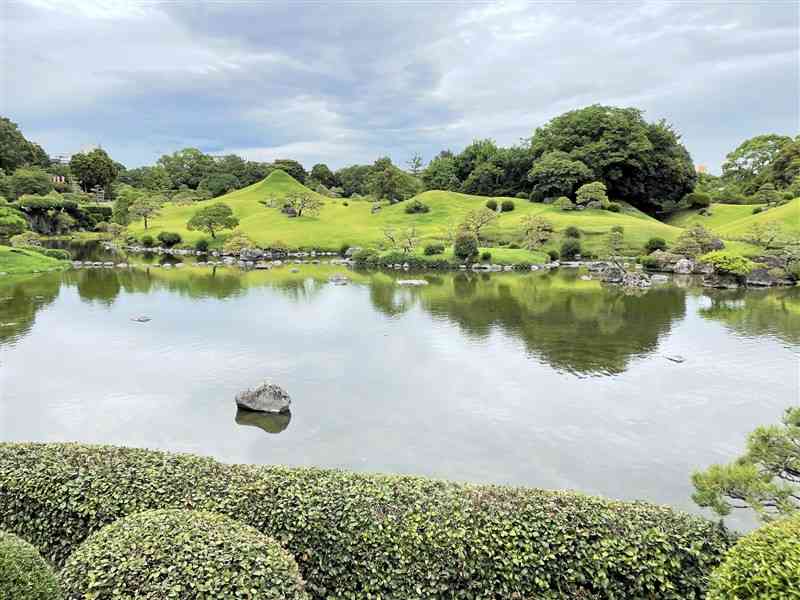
751 312
20 299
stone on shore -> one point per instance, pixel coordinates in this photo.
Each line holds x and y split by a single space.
268 397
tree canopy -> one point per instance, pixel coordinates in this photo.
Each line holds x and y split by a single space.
748 164
16 151
93 169
556 174
212 219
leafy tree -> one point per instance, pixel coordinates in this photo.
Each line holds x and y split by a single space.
767 194
697 240
187 167
321 173
515 163
697 200
475 220
231 164
255 172
536 231
641 163
30 180
126 195
354 179
564 203
386 181
93 169
766 478
615 241
592 192
785 167
415 164
304 202
440 174
483 180
465 245
478 152
145 207
16 151
765 235
557 174
213 219
292 167
409 240
11 222
217 184
748 163
237 242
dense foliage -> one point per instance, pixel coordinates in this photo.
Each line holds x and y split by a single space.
24 575
727 262
213 219
371 536
93 169
16 151
189 555
764 565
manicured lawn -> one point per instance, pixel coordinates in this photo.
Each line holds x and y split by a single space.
786 216
721 216
17 260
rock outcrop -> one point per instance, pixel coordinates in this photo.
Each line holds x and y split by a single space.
269 398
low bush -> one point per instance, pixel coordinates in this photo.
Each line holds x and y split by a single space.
343 249
486 256
27 238
697 200
416 207
521 195
201 245
56 253
731 264
24 575
148 241
649 262
507 205
237 242
374 536
757 210
465 246
570 248
564 203
763 565
655 243
552 254
169 238
491 204
189 554
433 249
572 232
613 207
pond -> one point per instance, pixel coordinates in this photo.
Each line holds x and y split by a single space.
538 379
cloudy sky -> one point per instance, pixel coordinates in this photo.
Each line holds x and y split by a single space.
346 82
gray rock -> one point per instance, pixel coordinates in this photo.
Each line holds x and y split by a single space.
676 358
352 250
684 266
140 319
412 282
721 281
268 397
613 274
636 280
702 268
248 254
659 278
760 278
339 279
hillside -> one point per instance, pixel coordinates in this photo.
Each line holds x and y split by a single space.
17 260
349 221
721 215
786 216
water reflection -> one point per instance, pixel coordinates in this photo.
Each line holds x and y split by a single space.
269 422
757 312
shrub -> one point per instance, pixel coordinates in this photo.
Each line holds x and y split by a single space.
56 253
697 200
101 226
432 249
617 229
564 203
191 554
521 195
148 241
572 232
590 193
11 222
465 246
369 536
507 205
552 254
486 256
614 207
764 565
570 248
649 262
201 245
725 262
24 575
343 249
237 242
169 238
491 204
655 243
415 207
27 238
757 210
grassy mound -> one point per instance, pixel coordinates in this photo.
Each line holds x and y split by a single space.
721 216
191 554
732 221
373 536
21 260
351 221
24 575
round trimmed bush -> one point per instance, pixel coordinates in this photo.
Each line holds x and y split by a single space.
491 204
486 256
764 565
148 241
570 248
169 238
572 232
24 575
433 249
58 253
465 246
613 207
552 254
190 554
655 243
415 207
507 206
201 245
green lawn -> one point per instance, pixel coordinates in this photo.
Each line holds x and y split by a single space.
721 216
348 221
16 260
786 216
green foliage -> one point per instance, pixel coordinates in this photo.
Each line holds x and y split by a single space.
552 254
465 245
237 242
507 205
387 182
145 207
188 554
11 222
614 207
491 204
572 232
186 167
591 193
201 245
16 151
93 169
24 575
697 240
765 478
655 243
26 238
292 167
354 179
697 200
726 262
536 231
32 180
763 565
556 173
433 249
785 167
483 180
767 194
416 207
564 203
373 536
217 184
212 219
570 248
56 253
441 174
148 241
757 210
169 238
486 256
321 173
747 165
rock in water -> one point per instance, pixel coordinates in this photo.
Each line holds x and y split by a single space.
676 358
269 422
684 266
412 282
140 319
268 398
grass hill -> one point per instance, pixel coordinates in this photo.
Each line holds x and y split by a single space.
350 221
19 260
721 215
732 221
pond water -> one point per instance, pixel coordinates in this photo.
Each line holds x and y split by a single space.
531 379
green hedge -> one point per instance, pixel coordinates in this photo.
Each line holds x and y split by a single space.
764 565
181 554
373 536
24 575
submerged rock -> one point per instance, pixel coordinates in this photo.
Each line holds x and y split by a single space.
269 422
659 278
413 282
636 280
140 319
339 279
676 358
268 398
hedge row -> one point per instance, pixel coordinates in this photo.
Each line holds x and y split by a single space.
372 536
24 575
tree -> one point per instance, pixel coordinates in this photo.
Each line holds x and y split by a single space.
592 192
217 184
475 220
409 239
304 202
354 179
11 222
321 173
785 167
483 180
154 179
767 194
415 164
697 240
93 169
641 163
292 167
747 164
212 219
557 174
766 478
126 195
440 174
478 152
615 241
30 180
385 181
187 167
536 231
145 207
764 234
16 151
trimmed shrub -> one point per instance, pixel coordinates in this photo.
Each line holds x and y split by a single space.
201 245
486 256
169 238
507 205
416 207
564 203
521 195
572 232
465 246
148 241
650 262
237 242
613 207
757 210
55 253
343 249
552 254
190 554
432 249
725 262
570 248
697 200
27 238
655 243
491 204
764 565
24 575
375 536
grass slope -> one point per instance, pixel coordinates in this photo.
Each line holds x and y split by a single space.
17 260
351 221
786 216
721 216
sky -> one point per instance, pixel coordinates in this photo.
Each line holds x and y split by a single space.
347 82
